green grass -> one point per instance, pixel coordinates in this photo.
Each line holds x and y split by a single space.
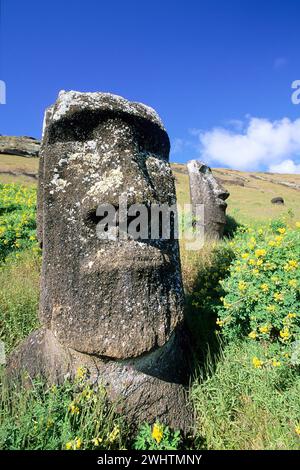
19 294
240 407
69 416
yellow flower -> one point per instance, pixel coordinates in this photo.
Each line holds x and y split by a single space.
264 329
252 262
74 409
242 286
264 287
293 283
281 231
291 265
259 262
157 433
298 224
276 363
252 335
272 243
284 334
75 444
245 255
78 443
297 429
81 373
219 322
271 308
114 434
257 363
278 297
260 252
291 315
69 445
87 393
226 304
97 441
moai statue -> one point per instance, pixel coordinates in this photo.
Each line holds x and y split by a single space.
113 305
205 189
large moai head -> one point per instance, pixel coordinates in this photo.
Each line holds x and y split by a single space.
115 298
206 190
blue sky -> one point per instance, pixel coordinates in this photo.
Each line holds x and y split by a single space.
218 72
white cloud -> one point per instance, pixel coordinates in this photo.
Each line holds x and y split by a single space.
262 144
287 166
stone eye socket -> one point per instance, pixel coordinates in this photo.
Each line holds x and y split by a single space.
92 219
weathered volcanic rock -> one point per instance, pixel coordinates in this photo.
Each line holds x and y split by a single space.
116 303
25 146
277 200
206 190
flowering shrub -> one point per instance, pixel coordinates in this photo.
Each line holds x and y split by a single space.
17 218
262 293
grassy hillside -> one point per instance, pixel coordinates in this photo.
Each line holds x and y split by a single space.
250 193
15 169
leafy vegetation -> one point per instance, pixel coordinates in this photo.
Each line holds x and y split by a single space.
262 291
157 437
71 416
17 218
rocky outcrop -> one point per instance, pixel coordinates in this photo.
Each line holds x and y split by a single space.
23 146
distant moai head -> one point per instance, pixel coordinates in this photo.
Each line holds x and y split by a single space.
206 190
115 298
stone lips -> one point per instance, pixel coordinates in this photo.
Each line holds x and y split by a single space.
205 189
114 299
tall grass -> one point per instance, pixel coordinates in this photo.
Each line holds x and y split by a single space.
69 416
19 293
240 407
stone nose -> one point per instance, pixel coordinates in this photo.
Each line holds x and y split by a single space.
222 194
